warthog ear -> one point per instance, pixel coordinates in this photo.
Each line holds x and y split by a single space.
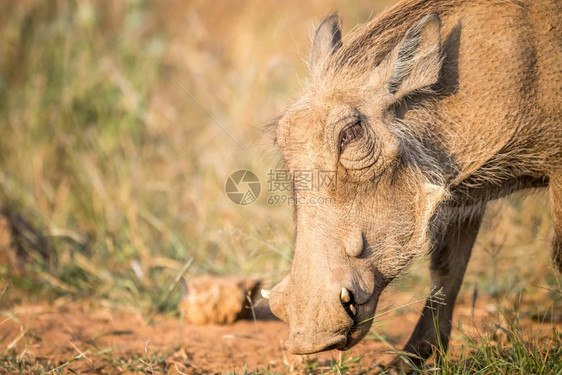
417 58
326 40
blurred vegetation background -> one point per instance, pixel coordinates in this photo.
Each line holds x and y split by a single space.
112 177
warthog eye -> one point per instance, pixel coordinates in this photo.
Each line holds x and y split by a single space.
350 133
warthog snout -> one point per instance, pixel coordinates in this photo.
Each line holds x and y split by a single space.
305 343
317 324
320 320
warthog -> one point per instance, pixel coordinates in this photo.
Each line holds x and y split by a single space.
425 113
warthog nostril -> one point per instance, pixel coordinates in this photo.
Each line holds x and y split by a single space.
348 302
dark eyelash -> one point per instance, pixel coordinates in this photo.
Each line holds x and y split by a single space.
349 134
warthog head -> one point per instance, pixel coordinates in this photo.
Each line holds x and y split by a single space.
355 119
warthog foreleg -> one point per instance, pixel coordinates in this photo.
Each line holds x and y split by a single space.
448 264
555 188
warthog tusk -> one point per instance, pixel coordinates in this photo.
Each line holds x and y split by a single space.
265 293
345 298
353 310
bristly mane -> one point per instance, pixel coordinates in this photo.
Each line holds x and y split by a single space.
369 44
374 40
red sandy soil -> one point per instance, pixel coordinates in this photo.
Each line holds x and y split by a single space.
116 342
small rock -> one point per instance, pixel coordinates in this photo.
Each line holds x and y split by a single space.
217 299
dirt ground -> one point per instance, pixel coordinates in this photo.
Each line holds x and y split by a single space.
82 337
